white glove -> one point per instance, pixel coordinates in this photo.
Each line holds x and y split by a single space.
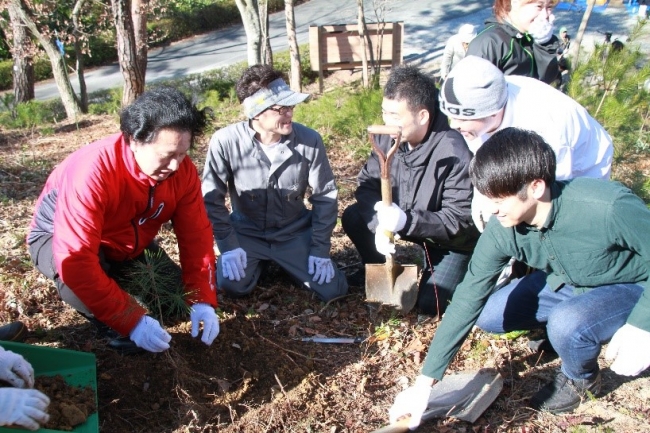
149 335
23 407
630 350
391 218
413 400
480 214
382 242
204 313
321 269
16 370
233 264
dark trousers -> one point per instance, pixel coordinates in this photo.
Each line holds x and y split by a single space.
43 259
443 268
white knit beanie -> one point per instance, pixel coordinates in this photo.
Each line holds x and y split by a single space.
474 89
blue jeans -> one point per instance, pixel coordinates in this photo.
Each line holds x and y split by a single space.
577 323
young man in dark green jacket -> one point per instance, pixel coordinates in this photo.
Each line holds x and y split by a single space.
589 239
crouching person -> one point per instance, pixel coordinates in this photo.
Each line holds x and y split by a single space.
102 207
266 165
588 236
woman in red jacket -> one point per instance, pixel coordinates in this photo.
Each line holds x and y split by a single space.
102 207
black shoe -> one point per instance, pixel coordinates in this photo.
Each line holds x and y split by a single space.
122 345
15 331
125 346
564 394
542 345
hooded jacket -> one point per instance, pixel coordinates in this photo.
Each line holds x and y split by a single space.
98 198
430 183
516 53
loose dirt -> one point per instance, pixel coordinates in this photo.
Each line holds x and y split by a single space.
69 406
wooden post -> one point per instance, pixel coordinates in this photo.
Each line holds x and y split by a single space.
315 53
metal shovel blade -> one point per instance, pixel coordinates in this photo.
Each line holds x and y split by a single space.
464 396
392 284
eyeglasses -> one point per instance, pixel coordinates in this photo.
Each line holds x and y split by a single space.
282 110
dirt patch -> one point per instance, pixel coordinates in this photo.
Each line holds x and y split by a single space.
70 405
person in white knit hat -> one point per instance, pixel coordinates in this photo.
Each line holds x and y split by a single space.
480 100
456 48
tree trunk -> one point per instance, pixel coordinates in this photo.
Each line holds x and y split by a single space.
364 49
267 52
127 51
574 49
83 92
23 69
139 17
68 97
250 15
294 53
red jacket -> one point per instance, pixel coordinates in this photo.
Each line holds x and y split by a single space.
98 197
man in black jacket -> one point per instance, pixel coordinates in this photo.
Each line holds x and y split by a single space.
431 190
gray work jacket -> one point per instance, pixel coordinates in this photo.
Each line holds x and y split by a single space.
267 198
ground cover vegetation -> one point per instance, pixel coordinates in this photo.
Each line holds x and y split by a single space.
259 376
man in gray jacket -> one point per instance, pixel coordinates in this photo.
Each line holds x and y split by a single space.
266 164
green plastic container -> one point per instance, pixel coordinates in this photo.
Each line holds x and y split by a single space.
78 369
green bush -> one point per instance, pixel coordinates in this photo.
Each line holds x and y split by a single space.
105 101
33 114
342 116
610 85
6 75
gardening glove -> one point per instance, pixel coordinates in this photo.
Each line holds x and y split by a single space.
24 407
630 350
382 242
233 264
480 214
149 335
321 269
204 313
413 400
391 218
16 370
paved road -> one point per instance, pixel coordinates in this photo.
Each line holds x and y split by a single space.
427 26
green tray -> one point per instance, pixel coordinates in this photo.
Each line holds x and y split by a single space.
78 369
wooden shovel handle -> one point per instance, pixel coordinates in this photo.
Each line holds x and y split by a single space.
385 129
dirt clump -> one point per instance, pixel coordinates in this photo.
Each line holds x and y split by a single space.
70 405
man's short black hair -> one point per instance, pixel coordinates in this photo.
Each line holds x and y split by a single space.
509 160
160 108
410 84
255 78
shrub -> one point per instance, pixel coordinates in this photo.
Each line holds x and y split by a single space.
6 75
33 114
342 117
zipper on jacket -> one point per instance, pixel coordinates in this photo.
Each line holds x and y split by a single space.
532 57
135 223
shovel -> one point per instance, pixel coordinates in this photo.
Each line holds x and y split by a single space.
390 283
464 396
